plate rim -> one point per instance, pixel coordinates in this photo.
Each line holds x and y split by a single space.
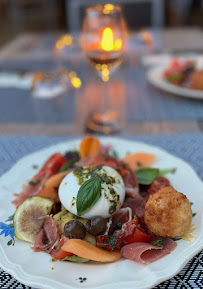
75 141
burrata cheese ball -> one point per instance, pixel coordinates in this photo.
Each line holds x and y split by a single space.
112 191
168 213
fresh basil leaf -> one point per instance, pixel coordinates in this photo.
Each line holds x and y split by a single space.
88 194
67 166
146 176
166 171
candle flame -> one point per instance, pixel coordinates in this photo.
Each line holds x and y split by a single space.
107 39
108 43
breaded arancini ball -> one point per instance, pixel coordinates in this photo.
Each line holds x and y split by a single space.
168 213
196 79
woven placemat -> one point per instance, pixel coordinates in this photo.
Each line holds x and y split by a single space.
186 146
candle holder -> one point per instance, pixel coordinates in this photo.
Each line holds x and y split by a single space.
103 39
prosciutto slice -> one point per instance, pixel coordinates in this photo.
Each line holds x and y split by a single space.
34 187
28 191
122 216
129 178
47 236
146 253
137 205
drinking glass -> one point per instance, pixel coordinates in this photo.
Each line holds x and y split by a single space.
103 39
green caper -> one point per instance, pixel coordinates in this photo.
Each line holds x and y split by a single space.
96 225
74 230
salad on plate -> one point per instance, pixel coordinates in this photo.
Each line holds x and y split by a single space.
90 205
186 73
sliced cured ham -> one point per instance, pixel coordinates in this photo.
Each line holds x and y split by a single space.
28 190
137 205
33 188
122 216
47 237
159 183
146 253
129 178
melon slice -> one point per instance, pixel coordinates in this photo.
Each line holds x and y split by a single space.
86 250
139 160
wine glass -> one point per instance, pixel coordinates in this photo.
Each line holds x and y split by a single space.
103 39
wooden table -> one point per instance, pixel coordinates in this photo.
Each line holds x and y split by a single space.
27 48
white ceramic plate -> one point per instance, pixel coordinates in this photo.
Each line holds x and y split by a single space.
155 77
37 270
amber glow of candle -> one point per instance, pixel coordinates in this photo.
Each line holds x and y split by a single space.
108 43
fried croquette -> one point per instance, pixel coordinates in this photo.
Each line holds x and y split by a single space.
168 213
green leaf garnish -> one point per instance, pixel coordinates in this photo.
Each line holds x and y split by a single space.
166 171
113 240
35 182
76 259
67 166
114 154
146 176
88 194
158 243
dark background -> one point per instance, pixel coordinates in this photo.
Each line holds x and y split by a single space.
17 16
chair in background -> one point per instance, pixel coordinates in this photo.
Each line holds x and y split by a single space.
74 7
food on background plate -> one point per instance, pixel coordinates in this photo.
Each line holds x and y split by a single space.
196 79
184 73
91 205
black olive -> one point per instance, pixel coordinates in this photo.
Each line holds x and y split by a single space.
96 226
72 156
74 230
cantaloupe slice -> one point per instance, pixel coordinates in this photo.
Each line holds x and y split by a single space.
86 250
139 160
50 186
89 146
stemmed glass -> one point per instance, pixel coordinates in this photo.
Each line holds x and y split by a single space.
103 39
